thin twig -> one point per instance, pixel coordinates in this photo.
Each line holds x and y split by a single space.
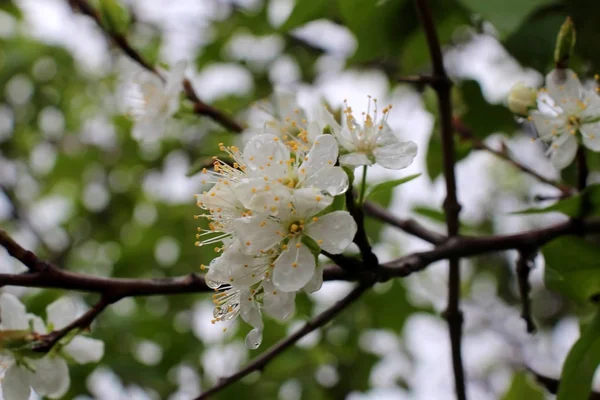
582 168
466 133
524 266
200 107
261 362
362 241
442 86
47 342
409 226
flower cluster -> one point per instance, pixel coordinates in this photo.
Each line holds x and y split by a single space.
271 211
565 114
22 367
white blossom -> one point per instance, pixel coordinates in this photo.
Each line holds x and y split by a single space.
565 109
155 101
372 142
47 374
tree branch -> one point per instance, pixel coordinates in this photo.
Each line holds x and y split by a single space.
261 362
409 226
582 168
48 341
362 241
442 85
467 134
524 266
200 107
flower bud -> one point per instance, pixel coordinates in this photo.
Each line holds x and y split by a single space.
565 43
521 99
115 17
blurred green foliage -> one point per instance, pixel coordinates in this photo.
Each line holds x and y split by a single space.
120 237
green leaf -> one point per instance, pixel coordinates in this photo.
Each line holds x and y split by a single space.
586 203
581 363
305 11
482 117
573 268
389 185
522 388
506 15
375 25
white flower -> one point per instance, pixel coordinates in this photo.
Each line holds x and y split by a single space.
269 160
283 117
48 375
155 101
373 142
522 99
565 109
295 266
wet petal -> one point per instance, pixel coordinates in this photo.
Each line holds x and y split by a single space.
565 92
393 153
548 126
13 315
85 349
333 180
257 233
266 156
591 136
15 384
355 159
333 232
309 201
564 154
294 267
324 152
51 376
316 281
61 312
254 339
278 304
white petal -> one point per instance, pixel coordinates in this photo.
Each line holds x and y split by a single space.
309 201
333 232
565 93
278 304
15 384
51 376
249 310
355 159
61 312
548 126
13 315
323 152
266 156
285 105
333 180
38 324
254 339
591 136
564 155
393 153
326 118
257 233
85 350
316 281
258 195
175 78
294 267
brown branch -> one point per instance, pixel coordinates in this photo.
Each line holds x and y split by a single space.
261 362
582 169
360 238
47 342
442 85
524 266
409 226
467 134
200 107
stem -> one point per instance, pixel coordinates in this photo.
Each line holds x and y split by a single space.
442 86
363 187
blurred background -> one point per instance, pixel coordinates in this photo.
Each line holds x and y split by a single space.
80 191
